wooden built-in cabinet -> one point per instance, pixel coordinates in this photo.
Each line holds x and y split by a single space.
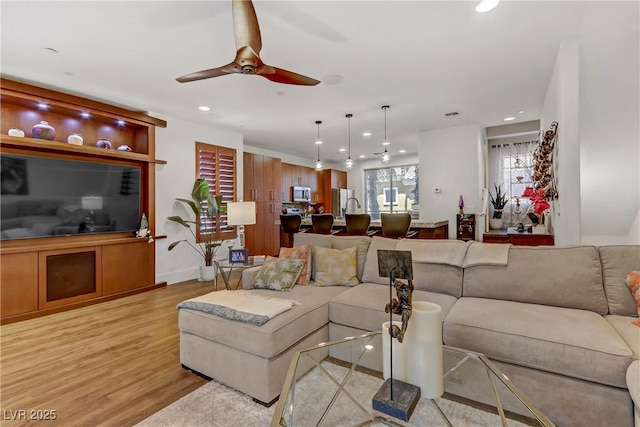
89 267
295 175
263 184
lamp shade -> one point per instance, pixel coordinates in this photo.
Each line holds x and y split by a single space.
92 203
241 213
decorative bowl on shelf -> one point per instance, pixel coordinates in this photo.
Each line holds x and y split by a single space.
43 130
75 139
103 143
16 132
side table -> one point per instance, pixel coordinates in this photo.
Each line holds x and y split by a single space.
227 267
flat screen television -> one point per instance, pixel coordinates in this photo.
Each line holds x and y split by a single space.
49 196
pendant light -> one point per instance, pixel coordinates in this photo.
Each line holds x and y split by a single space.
318 142
349 162
386 157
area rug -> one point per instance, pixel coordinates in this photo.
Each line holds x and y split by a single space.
217 405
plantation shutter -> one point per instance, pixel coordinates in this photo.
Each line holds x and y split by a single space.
217 165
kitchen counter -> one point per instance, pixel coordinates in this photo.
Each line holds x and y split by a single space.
426 229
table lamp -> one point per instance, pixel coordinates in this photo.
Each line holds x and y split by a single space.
91 203
241 214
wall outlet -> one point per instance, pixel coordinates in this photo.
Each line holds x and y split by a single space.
437 190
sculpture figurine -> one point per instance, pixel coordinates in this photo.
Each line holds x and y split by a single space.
401 306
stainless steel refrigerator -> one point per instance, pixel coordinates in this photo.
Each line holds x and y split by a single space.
339 198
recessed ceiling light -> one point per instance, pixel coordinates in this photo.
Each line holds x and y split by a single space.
362 156
521 112
204 108
486 5
342 150
508 119
402 151
386 143
366 134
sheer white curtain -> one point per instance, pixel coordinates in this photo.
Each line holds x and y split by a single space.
510 166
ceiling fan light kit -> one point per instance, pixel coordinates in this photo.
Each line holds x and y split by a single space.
247 60
349 162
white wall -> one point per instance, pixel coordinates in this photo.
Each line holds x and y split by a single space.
562 105
176 145
450 159
609 130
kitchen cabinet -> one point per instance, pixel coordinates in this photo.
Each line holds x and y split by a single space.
466 227
331 178
263 184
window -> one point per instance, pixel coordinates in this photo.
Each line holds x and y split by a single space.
512 166
217 165
392 189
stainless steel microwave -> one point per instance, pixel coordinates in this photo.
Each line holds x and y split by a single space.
301 194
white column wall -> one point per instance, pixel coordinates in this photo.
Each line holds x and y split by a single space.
176 145
450 161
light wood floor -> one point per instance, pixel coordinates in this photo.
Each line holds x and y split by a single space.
111 364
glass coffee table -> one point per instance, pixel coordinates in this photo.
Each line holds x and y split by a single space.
321 390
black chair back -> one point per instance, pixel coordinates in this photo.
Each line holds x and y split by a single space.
357 224
395 225
322 223
290 225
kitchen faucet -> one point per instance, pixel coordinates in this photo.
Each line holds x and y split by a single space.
346 204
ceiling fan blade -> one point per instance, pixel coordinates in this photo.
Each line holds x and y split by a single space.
245 25
287 77
207 74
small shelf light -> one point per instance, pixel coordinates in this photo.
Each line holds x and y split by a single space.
85 115
120 122
43 106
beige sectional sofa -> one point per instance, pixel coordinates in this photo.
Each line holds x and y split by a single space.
556 320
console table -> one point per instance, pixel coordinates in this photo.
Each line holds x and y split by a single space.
514 237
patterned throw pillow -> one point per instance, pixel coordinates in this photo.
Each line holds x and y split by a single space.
301 252
633 282
335 267
278 274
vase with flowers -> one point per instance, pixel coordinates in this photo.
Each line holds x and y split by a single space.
540 205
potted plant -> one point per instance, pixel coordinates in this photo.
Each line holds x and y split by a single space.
205 208
499 201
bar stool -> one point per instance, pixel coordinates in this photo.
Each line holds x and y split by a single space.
357 224
396 225
290 225
322 223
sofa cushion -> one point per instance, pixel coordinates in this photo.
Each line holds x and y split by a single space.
370 274
277 334
565 341
336 267
303 253
278 274
362 307
361 242
617 262
627 331
567 276
313 239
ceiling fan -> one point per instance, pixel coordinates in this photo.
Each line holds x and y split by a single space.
247 60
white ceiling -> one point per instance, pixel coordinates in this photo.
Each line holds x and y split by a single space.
422 58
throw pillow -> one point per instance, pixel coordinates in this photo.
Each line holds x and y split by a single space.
301 252
633 283
278 274
336 267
